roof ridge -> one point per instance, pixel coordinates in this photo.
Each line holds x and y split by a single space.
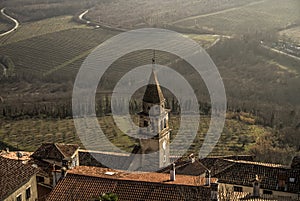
276 165
55 144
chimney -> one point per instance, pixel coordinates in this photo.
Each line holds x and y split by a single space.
63 172
296 162
207 178
172 173
192 158
214 194
256 186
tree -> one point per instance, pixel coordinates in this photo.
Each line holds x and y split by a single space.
107 197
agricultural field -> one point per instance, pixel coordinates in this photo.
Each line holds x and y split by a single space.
292 34
40 49
42 54
49 47
263 16
4 27
156 12
33 29
28 134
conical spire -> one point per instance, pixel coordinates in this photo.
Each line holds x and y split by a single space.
153 93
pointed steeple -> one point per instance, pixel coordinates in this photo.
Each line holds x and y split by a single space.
153 93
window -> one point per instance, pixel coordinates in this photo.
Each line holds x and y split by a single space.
146 124
28 193
292 180
237 189
165 123
165 158
266 192
19 197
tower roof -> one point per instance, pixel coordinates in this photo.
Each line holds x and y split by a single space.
153 93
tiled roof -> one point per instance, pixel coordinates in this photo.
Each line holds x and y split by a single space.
13 174
25 156
67 150
99 159
141 176
186 167
215 165
244 172
56 151
84 183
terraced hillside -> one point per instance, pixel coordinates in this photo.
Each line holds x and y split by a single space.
4 27
156 12
43 53
262 16
32 29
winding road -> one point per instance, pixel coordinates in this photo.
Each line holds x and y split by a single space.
12 19
82 14
97 25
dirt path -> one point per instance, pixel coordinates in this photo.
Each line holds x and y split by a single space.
12 19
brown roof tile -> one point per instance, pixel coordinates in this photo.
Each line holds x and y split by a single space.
244 172
13 174
186 167
56 151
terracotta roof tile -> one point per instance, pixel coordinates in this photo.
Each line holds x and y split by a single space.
13 155
141 176
84 183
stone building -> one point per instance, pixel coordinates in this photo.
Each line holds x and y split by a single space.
17 180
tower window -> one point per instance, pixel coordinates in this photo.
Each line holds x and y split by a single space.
146 124
165 123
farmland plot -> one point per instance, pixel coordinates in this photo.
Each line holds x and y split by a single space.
269 15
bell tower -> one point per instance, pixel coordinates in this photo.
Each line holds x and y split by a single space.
154 119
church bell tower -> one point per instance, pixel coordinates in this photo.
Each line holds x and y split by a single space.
154 119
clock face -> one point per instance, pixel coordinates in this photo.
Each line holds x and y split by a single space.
164 145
